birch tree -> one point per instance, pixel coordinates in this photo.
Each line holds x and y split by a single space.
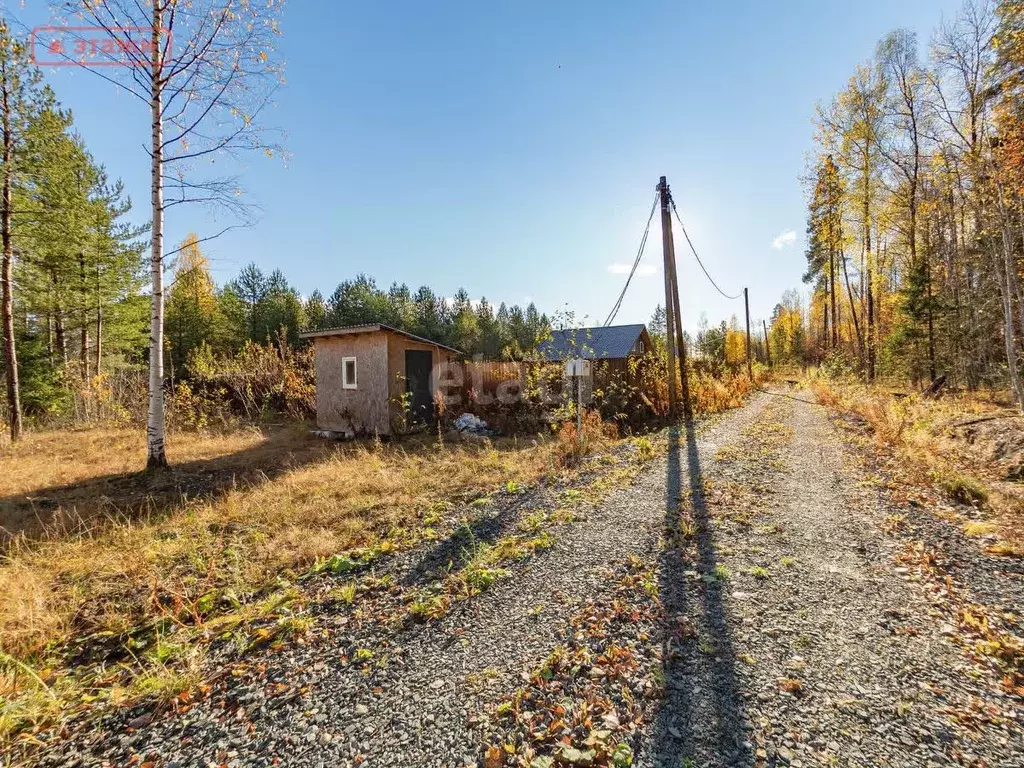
963 59
850 129
861 105
931 191
207 73
906 119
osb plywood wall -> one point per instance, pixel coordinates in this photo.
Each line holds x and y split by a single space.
397 344
363 410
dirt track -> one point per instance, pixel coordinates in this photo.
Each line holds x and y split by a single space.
739 602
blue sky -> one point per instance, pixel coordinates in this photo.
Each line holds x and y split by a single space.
512 147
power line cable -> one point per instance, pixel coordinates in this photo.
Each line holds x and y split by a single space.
636 263
696 256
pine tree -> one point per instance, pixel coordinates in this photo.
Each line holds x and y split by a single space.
117 276
281 310
403 308
192 306
316 311
251 288
490 337
431 315
23 98
466 330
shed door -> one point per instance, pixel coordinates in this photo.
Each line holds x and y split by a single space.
418 365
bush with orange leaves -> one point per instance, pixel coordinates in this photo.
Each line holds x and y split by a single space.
574 444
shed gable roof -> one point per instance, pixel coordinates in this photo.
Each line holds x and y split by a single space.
348 330
614 341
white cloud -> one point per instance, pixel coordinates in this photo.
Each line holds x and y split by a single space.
643 270
784 240
450 301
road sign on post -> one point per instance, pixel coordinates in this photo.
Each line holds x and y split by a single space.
577 367
576 370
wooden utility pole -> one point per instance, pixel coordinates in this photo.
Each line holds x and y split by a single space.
666 247
680 339
746 307
767 344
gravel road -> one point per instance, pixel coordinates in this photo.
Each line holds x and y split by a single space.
782 625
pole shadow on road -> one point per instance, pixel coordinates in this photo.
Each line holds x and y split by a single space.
701 713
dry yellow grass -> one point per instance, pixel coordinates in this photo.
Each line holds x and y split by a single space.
45 459
916 429
714 394
344 497
202 545
59 480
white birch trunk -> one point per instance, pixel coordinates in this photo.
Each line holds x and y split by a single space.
1009 330
155 422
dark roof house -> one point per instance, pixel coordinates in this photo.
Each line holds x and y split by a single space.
614 342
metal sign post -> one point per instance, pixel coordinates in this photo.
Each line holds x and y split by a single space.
577 369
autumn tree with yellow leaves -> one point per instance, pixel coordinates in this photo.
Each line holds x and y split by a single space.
206 72
915 234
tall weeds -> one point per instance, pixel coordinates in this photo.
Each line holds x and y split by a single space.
914 432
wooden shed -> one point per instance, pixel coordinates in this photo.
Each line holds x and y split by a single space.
363 372
612 349
614 343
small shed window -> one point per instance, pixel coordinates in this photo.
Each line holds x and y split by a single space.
348 373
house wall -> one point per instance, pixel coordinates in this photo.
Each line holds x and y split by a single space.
397 345
643 344
363 410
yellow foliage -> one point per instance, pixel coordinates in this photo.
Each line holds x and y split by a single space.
786 333
735 347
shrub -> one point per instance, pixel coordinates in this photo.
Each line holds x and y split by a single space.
644 449
628 397
250 386
838 365
572 447
961 487
714 394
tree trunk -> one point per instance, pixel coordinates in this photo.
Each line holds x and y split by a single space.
950 261
59 334
99 323
827 279
156 457
868 281
1003 265
824 313
1006 231
832 281
1009 330
853 307
931 315
1010 268
83 353
10 353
